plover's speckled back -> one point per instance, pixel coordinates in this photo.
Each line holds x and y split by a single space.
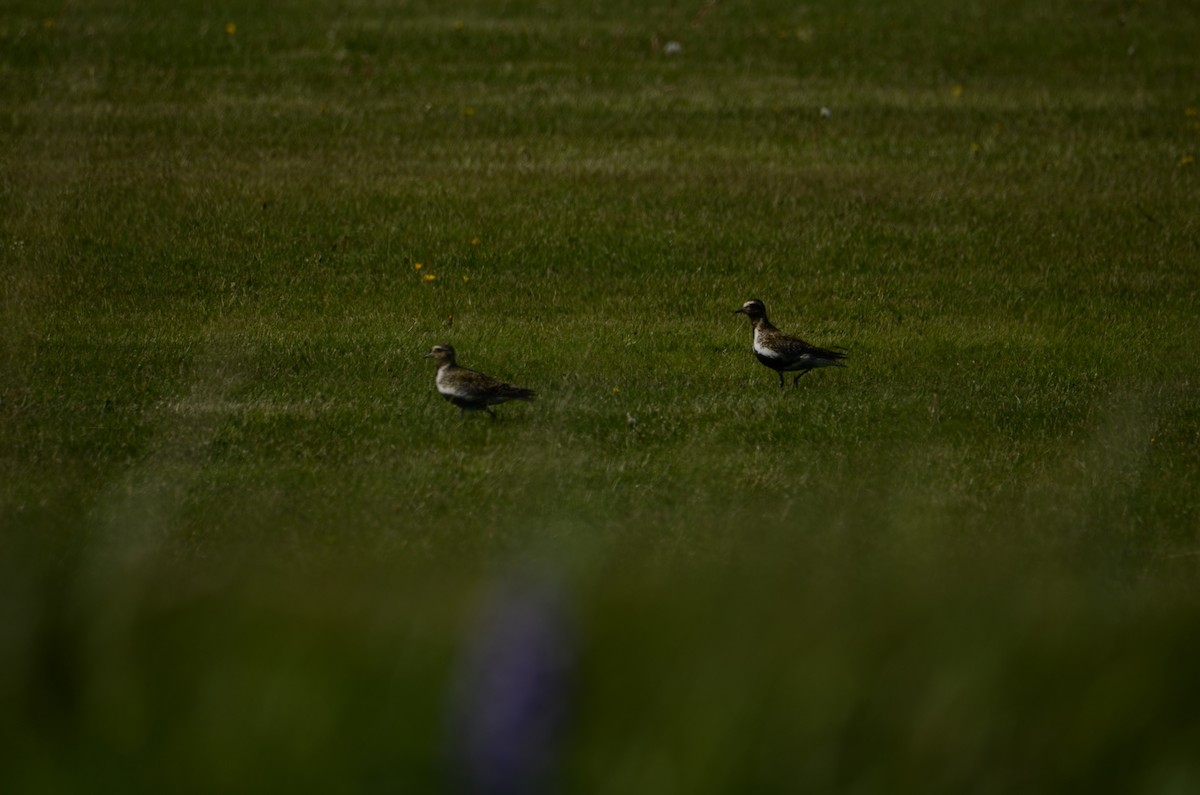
468 389
784 353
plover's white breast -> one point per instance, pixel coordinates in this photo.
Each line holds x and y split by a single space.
763 350
447 386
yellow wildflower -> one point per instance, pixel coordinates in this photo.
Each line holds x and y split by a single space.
417 266
957 90
428 277
474 241
230 28
466 278
1187 160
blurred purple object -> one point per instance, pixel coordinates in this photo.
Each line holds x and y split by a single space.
512 690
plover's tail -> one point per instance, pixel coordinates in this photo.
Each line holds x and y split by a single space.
510 392
830 358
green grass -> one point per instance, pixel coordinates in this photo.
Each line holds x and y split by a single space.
243 541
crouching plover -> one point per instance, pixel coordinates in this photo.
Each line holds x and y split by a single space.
470 390
781 352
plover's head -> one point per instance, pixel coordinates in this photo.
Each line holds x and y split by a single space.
442 354
753 309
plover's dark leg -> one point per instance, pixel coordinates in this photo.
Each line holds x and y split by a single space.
781 384
797 378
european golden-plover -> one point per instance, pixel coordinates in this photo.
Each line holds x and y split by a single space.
784 353
468 389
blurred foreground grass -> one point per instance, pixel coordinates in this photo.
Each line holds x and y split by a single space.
843 669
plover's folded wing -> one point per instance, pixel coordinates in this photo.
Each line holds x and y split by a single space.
492 389
795 349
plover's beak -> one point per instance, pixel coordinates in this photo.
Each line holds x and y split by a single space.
427 355
741 311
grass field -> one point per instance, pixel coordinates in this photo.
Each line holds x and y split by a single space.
244 545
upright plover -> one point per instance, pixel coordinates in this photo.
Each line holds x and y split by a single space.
470 390
783 353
